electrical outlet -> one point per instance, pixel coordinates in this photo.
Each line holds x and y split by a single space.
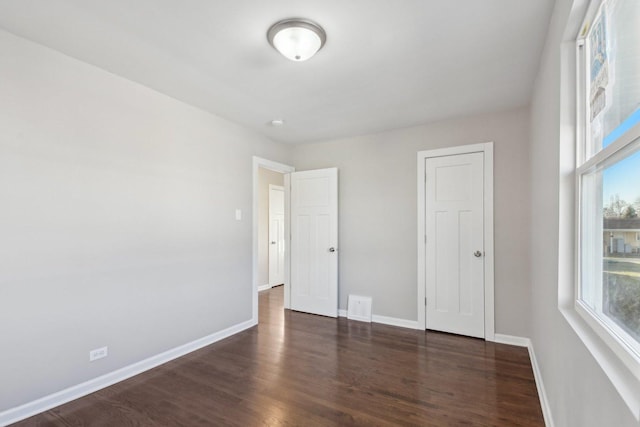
98 353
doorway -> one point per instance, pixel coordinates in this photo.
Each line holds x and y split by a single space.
310 238
271 250
455 240
263 171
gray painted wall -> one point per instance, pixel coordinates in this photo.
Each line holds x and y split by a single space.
117 221
118 227
579 392
378 210
265 177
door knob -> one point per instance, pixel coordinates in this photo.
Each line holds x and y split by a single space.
273 243
477 254
332 249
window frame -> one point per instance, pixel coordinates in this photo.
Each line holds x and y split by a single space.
611 334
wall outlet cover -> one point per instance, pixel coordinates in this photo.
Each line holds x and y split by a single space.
98 353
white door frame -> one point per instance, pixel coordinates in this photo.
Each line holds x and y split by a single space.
487 149
258 163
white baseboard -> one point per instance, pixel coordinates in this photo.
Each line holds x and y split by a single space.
542 394
394 321
537 375
74 392
264 287
512 340
359 318
391 321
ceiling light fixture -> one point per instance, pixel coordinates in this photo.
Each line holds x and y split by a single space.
296 39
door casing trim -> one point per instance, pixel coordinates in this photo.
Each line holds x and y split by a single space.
489 294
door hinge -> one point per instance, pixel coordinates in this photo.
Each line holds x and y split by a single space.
425 300
425 238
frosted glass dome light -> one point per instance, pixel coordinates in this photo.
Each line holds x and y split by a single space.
296 39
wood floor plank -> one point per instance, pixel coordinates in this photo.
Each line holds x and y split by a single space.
296 369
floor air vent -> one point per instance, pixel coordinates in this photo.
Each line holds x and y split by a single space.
359 308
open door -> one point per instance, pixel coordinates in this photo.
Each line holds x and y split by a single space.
314 241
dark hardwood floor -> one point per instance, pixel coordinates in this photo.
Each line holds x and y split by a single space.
302 370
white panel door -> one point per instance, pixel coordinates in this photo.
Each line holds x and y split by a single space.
455 244
276 235
314 241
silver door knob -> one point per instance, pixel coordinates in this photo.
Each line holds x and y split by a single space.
477 254
332 249
273 243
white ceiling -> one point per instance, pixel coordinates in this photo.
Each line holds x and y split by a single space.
386 64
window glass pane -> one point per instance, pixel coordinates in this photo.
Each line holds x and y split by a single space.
621 260
614 83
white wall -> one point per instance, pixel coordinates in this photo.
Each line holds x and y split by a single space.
378 208
580 394
117 221
265 177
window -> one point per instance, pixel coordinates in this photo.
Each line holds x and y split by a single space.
608 177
